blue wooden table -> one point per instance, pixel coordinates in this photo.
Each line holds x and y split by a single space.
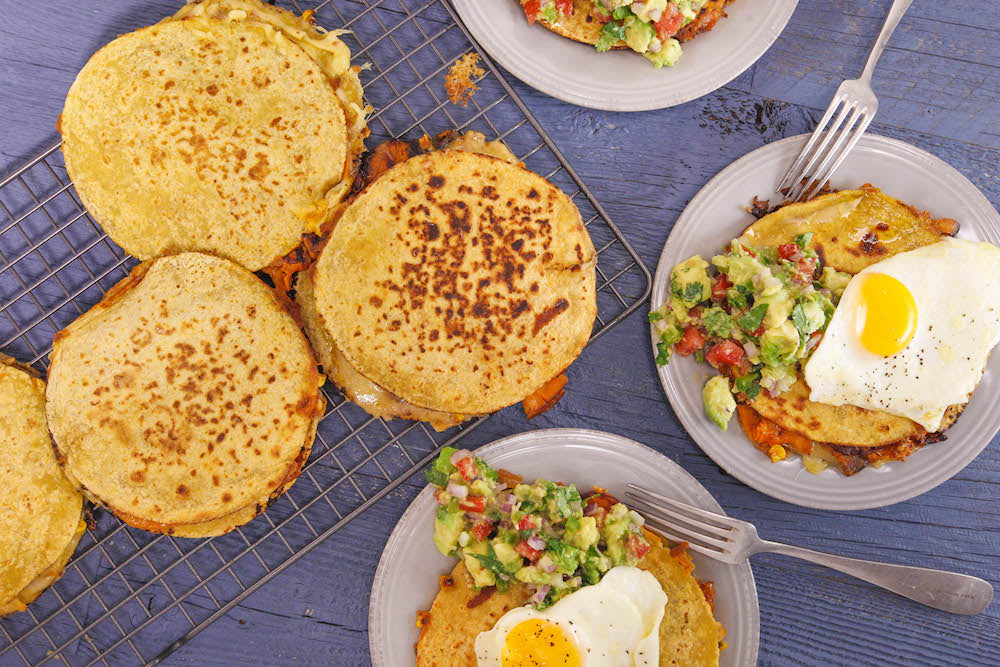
939 88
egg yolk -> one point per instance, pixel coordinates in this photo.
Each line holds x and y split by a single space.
886 316
536 643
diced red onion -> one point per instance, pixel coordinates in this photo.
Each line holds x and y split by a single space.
458 455
506 508
536 542
751 349
540 594
547 564
575 506
575 582
499 487
458 490
476 516
591 509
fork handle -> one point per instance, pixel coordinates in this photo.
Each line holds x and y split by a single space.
896 12
947 591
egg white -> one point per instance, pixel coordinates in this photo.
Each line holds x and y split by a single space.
613 622
956 287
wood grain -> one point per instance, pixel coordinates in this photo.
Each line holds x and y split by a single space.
939 88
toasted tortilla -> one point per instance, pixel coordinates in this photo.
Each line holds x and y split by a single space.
187 399
40 509
689 633
852 229
458 282
230 128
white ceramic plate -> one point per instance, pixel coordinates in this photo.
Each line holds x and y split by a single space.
623 80
407 576
717 215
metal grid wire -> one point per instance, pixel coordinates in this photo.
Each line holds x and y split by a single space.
130 596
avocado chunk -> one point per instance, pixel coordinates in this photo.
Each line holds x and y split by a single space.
587 536
448 526
719 403
667 56
689 281
834 280
779 344
638 34
739 268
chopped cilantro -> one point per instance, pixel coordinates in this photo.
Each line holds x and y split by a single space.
621 13
699 356
662 354
694 292
490 561
802 240
717 322
611 33
751 320
655 316
749 384
550 14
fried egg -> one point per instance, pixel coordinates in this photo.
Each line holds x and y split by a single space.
614 622
912 333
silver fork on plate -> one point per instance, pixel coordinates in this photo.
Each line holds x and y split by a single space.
732 541
855 105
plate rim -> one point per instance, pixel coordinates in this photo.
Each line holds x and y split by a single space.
376 599
976 201
521 68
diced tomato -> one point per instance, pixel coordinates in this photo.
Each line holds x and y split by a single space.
472 504
789 251
526 523
719 287
531 9
525 550
807 267
441 496
691 341
565 7
638 546
670 22
481 530
467 468
726 352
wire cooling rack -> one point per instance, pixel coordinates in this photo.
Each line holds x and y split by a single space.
129 596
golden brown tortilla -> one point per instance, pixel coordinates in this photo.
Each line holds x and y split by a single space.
852 229
689 633
229 128
40 510
459 282
185 400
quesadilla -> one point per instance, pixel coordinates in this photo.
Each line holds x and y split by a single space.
689 633
187 399
41 512
851 229
231 127
452 285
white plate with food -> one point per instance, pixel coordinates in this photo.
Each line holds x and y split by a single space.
873 436
564 62
409 575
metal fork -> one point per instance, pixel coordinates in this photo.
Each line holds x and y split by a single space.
732 541
855 105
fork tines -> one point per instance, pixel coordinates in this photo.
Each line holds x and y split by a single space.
851 111
706 532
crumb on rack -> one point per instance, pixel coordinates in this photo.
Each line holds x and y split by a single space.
460 83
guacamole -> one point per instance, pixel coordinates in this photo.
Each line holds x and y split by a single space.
753 313
544 533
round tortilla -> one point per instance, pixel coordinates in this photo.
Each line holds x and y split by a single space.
185 400
852 229
230 129
689 633
458 282
40 510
